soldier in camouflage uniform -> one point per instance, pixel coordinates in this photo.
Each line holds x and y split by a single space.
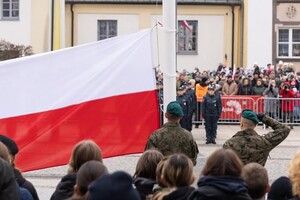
250 146
172 138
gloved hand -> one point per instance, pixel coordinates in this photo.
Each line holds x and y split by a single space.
260 116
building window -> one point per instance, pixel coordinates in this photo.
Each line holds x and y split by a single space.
187 38
10 9
107 29
289 43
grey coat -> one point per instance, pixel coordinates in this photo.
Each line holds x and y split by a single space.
271 101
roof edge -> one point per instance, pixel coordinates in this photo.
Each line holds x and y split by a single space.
185 2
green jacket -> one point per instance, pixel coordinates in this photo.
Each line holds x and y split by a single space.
251 147
171 139
258 90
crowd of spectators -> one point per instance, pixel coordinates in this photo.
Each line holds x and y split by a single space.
272 82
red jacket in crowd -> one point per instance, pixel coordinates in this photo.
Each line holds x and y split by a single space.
287 105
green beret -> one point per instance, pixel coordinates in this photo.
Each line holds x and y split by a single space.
175 109
249 114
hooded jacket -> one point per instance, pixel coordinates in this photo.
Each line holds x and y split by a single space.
220 188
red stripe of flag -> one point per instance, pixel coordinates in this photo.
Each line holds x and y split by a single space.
185 24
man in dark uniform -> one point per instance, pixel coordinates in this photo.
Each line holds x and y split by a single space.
251 147
183 101
172 138
192 99
212 110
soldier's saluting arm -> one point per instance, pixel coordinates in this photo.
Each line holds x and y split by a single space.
279 133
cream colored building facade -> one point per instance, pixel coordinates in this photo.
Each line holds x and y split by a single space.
246 31
31 27
214 27
216 32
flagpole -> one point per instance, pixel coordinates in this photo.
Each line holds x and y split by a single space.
169 49
62 24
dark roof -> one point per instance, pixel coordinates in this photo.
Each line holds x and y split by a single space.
186 2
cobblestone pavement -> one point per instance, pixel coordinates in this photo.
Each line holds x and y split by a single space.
46 180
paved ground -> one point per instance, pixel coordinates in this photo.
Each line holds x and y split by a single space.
46 180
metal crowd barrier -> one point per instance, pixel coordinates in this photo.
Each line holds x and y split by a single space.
285 110
232 107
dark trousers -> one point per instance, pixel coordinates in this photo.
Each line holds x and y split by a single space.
190 122
198 113
211 123
289 115
186 122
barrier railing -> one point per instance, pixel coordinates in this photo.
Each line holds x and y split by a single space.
232 107
286 110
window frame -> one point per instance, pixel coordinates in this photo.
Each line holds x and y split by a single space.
290 43
194 35
107 35
10 10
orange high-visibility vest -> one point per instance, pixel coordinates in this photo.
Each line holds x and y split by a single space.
200 92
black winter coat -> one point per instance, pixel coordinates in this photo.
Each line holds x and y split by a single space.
22 182
65 188
295 198
8 185
144 186
245 90
220 188
181 193
212 105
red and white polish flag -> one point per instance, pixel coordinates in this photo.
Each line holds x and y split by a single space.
104 91
185 24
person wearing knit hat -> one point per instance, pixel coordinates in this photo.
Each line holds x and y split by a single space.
171 137
281 189
249 145
115 186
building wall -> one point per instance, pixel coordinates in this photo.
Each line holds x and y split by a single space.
40 26
285 19
18 32
214 28
127 23
211 43
34 28
259 32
